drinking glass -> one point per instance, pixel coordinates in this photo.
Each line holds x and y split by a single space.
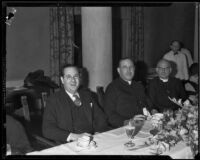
130 130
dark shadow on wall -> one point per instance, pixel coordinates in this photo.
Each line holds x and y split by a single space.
117 39
141 70
84 77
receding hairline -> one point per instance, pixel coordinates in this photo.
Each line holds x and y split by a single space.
124 59
163 60
66 67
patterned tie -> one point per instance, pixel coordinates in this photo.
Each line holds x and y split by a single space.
77 100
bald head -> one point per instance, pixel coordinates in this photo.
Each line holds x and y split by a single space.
163 61
163 68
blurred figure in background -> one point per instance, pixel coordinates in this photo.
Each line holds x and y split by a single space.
180 67
187 54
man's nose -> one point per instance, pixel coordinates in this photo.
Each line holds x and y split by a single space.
130 69
73 79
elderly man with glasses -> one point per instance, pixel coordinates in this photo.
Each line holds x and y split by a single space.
72 113
163 87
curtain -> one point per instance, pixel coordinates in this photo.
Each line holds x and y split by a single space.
61 40
197 32
133 32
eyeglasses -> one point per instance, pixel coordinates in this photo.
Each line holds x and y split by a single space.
163 69
70 78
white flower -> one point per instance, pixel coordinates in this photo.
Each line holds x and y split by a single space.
195 133
183 131
179 101
190 115
186 103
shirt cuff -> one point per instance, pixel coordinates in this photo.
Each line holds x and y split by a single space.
69 138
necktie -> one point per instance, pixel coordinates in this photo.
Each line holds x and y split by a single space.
77 100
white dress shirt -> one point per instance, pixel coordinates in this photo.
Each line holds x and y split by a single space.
181 62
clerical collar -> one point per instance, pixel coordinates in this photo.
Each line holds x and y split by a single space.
164 80
125 81
129 82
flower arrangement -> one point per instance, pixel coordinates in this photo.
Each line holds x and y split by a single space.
172 127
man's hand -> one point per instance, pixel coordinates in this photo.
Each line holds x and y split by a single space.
75 137
153 111
139 117
138 120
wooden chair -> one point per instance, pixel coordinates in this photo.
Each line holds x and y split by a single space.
44 99
25 107
34 124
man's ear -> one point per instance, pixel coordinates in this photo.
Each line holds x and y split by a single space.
118 70
61 78
156 69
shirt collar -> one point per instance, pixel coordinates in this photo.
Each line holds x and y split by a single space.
127 82
71 95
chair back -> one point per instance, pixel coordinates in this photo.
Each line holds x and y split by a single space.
100 95
44 99
25 107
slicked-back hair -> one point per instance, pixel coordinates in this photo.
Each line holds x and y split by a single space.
67 66
126 58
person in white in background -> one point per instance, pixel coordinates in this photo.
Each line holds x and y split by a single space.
180 60
187 54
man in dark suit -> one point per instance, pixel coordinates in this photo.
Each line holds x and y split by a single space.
124 97
165 86
71 112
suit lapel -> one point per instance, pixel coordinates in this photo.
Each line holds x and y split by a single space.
67 102
86 106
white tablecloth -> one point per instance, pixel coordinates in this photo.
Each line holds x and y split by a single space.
112 143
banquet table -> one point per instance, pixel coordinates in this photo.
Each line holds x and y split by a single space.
112 143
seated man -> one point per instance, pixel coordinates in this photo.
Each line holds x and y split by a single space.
124 97
191 86
164 86
16 136
71 112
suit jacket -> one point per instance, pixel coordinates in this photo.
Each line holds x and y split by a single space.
57 118
123 101
160 91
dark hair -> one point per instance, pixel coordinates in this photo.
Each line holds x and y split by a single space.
179 42
194 69
67 66
125 58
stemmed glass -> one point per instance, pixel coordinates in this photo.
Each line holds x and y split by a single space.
130 130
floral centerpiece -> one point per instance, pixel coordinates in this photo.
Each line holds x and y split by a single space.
173 127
